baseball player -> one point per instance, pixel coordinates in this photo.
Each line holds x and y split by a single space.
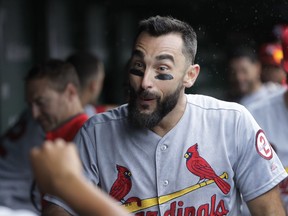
52 93
168 153
272 115
245 72
90 71
15 172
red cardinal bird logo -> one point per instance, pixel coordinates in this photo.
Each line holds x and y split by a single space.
122 184
200 167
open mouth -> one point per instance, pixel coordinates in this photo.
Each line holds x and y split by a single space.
147 99
147 96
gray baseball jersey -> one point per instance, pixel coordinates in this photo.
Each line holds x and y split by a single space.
268 88
16 175
199 167
272 116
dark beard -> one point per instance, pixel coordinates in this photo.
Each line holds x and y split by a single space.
141 120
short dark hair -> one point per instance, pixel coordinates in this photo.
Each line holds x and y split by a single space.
58 72
244 51
158 26
86 64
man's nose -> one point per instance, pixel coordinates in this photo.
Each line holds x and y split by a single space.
147 80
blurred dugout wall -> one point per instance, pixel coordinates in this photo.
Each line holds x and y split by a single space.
16 56
35 30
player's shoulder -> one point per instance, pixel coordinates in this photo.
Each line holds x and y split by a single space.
112 116
204 102
268 103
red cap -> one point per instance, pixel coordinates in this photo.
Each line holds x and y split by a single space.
271 54
284 40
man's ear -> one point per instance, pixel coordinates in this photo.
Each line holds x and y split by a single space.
191 75
71 91
92 85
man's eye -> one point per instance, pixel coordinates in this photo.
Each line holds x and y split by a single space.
138 65
163 68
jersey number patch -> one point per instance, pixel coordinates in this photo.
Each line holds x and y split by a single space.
263 146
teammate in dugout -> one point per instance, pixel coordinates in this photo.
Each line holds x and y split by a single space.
244 73
272 114
168 153
56 112
52 94
91 73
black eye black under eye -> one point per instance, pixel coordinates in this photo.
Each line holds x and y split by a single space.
159 76
136 72
164 77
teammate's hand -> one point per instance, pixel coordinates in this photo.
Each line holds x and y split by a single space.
54 164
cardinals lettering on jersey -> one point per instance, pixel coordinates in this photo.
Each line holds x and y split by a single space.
200 167
177 208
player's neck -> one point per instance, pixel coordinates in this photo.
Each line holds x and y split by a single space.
85 98
256 87
75 107
172 118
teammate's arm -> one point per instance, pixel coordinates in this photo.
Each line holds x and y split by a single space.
268 204
58 171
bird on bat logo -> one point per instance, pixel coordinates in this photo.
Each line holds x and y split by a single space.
201 168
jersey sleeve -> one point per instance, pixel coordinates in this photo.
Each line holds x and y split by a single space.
86 145
258 168
87 153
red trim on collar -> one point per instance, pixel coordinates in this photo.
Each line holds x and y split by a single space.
68 130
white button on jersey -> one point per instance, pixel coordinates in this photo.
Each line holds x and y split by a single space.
164 147
166 182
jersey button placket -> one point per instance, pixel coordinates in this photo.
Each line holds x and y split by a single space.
164 147
166 182
161 157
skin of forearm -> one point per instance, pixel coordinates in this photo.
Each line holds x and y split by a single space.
268 204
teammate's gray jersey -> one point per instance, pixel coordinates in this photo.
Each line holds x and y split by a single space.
214 142
16 176
272 116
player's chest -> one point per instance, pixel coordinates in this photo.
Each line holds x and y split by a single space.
161 173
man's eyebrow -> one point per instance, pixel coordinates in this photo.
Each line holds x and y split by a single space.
164 57
138 53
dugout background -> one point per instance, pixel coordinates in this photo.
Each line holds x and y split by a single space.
35 30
